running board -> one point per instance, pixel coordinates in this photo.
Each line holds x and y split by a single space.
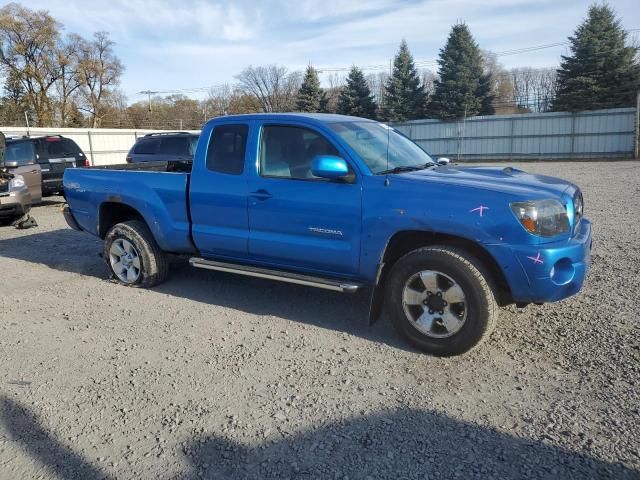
279 275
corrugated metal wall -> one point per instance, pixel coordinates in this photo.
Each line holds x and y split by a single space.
103 146
593 134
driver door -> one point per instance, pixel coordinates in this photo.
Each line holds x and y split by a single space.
298 221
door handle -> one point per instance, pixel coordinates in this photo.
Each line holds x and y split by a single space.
34 171
261 194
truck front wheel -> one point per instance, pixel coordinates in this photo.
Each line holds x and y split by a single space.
133 256
440 300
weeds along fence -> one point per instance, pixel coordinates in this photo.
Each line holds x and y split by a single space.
103 146
611 133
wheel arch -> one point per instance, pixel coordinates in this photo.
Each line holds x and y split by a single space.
112 213
406 241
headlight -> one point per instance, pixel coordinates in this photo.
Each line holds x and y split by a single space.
578 207
16 182
545 218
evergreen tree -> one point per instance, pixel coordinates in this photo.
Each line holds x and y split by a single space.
14 101
486 95
463 88
601 71
356 98
404 97
311 97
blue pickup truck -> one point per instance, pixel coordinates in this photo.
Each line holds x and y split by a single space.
344 203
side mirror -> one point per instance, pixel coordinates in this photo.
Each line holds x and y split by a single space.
443 161
330 166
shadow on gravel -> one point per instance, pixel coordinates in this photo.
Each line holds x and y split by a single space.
71 251
23 427
400 444
65 250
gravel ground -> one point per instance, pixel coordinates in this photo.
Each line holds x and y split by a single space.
217 376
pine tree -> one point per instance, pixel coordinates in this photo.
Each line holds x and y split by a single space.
356 98
462 89
404 96
486 95
601 71
14 102
311 97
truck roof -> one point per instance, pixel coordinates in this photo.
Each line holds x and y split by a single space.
318 117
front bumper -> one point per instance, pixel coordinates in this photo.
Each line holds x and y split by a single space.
547 272
52 185
15 204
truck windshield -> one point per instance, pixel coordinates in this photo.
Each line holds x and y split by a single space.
375 142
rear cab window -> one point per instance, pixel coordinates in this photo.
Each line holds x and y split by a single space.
227 147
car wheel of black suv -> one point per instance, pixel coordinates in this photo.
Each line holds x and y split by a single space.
133 256
440 300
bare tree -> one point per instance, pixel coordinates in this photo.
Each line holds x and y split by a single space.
273 86
28 41
67 58
534 88
428 78
376 83
336 82
217 104
501 83
99 71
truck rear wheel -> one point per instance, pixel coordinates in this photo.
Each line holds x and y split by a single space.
441 301
133 256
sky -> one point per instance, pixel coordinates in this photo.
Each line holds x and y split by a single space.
193 44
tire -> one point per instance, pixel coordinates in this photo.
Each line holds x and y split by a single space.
149 264
432 324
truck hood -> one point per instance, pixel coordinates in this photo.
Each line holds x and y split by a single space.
506 180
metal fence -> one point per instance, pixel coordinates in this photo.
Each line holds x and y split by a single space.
103 146
611 133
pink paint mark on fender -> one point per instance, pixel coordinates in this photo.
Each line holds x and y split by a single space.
537 259
479 209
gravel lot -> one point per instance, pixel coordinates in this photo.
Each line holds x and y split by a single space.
216 376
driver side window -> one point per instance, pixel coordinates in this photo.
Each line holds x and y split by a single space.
287 152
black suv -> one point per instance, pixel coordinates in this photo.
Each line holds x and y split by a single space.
54 154
164 147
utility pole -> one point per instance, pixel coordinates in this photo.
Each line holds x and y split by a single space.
148 93
26 118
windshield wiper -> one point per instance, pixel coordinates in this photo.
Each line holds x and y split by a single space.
407 168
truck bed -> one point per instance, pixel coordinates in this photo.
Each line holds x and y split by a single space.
175 167
156 190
